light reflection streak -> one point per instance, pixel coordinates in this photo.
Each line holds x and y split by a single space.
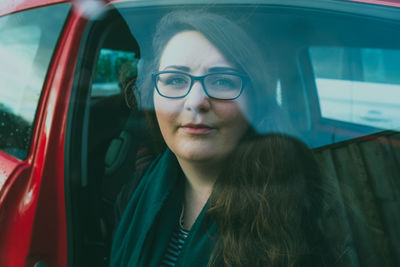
20 87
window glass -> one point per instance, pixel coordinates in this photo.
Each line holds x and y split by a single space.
358 85
113 66
18 48
27 41
235 102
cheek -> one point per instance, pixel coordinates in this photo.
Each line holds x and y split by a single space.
233 117
165 106
232 110
166 111
242 104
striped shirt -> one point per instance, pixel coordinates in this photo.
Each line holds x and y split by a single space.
175 245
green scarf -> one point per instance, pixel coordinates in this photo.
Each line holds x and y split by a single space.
150 217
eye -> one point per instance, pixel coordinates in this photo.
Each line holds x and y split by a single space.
173 80
224 82
176 80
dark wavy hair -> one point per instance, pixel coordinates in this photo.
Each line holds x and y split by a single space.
268 206
267 202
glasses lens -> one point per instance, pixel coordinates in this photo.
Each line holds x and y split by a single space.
223 86
172 84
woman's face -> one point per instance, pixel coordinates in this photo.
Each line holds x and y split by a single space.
197 128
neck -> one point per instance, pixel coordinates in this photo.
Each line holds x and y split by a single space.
200 179
200 175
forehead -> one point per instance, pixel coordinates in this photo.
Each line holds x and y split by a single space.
191 49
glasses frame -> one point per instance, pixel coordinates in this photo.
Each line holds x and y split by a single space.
194 78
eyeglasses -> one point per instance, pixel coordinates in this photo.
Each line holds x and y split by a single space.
217 85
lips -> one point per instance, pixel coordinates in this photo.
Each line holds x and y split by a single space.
197 128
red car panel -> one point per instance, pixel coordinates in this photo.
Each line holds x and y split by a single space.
394 3
15 6
32 203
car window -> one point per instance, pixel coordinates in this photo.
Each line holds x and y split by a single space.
358 85
110 66
291 84
27 41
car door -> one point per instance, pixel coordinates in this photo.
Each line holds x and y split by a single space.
32 220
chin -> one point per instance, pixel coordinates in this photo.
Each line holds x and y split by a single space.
200 151
197 154
198 157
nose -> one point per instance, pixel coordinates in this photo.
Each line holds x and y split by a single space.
197 99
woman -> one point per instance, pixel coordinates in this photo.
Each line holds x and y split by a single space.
222 193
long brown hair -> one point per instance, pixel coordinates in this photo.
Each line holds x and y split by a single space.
266 203
268 207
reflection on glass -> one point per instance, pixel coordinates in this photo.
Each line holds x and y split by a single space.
27 40
230 182
366 90
18 48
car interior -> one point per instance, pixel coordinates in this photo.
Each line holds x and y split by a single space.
108 140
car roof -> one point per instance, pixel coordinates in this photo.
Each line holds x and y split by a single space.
394 3
12 6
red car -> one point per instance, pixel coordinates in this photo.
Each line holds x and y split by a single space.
68 140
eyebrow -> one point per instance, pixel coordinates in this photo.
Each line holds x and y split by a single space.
177 67
212 69
222 69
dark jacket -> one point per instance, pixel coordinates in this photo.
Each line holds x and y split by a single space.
151 215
